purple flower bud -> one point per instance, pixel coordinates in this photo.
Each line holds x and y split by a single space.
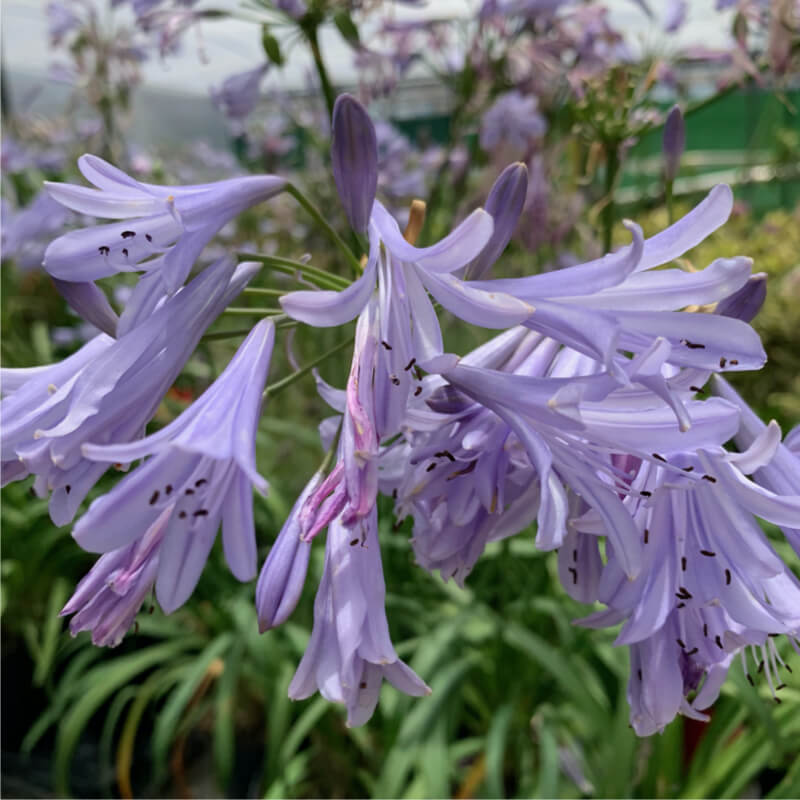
284 572
86 299
504 203
354 153
745 303
674 142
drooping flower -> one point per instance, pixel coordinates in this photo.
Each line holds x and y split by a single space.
674 142
164 228
350 652
26 231
107 392
201 470
108 598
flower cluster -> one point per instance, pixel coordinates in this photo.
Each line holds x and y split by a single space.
587 414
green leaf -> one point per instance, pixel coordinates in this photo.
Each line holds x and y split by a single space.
344 22
496 741
224 722
271 46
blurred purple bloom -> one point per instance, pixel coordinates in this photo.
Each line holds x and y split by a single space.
25 231
513 120
674 15
106 392
294 8
201 470
674 142
61 20
238 94
108 598
165 228
350 652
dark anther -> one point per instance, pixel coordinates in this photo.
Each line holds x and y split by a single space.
693 345
136 627
446 454
777 700
410 364
639 674
201 512
574 555
727 577
190 491
394 494
709 553
417 372
168 489
151 609
469 468
709 478
394 379
128 234
386 345
200 482
182 515
645 493
722 361
734 362
681 605
688 469
773 635
397 525
103 250
696 388
761 667
659 458
780 686
646 535
788 668
574 574
154 498
125 251
418 391
718 642
148 237
67 488
681 644
353 542
693 651
362 685
430 467
750 679
705 629
683 563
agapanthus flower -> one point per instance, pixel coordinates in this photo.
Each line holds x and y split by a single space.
350 652
201 470
512 120
238 94
108 598
26 231
164 228
107 392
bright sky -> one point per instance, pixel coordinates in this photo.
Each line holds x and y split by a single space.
233 45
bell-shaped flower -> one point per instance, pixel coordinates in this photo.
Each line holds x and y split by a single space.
238 94
350 652
107 392
163 228
202 468
108 598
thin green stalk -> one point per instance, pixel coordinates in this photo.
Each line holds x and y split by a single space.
288 267
612 169
327 88
670 205
278 386
316 215
253 312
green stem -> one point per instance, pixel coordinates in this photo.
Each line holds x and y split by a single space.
278 386
316 215
670 207
612 169
257 290
253 312
213 337
327 88
288 267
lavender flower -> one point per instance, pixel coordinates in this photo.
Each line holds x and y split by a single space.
238 94
26 231
106 392
674 142
165 227
513 120
202 470
350 652
106 601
